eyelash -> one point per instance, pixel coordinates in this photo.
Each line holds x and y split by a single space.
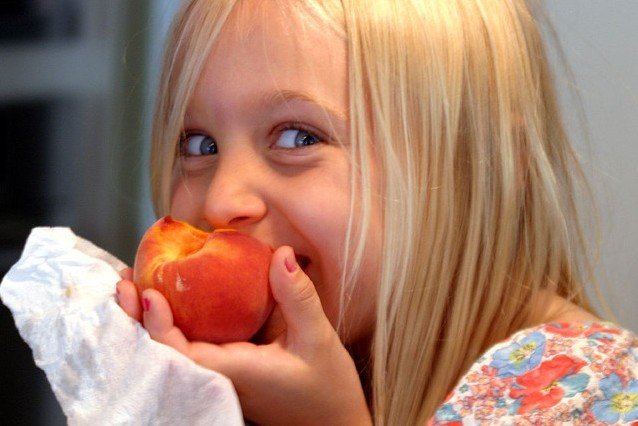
319 136
277 132
182 148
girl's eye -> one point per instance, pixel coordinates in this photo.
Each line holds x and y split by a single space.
195 145
296 138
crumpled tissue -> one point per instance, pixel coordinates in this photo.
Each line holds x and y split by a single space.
103 366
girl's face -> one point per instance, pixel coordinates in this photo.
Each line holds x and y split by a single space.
266 148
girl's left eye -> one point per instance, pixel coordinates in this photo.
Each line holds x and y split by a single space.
296 138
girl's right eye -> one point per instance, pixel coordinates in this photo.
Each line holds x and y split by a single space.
196 145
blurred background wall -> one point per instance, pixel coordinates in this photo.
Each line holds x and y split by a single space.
600 42
77 82
76 87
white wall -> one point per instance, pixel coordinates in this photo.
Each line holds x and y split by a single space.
600 42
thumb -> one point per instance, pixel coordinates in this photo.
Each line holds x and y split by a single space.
297 298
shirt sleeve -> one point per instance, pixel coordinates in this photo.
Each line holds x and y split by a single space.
560 373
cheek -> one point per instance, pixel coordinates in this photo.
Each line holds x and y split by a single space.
187 202
360 313
366 292
321 216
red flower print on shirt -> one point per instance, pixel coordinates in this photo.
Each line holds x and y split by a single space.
578 373
540 388
580 329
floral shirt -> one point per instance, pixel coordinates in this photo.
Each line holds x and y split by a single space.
562 373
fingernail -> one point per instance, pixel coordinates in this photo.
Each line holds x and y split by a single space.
291 262
146 303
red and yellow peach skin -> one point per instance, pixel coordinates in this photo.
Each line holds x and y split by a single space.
216 283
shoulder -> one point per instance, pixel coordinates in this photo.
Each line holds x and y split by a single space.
575 372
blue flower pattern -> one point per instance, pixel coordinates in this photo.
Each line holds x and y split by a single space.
520 356
574 384
620 401
604 389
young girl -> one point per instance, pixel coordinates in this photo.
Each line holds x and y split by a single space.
408 161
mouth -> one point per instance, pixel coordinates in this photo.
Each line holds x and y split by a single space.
303 261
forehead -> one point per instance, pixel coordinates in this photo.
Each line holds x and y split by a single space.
269 46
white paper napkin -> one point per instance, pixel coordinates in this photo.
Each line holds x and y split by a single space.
102 365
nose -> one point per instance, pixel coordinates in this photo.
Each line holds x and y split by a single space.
234 198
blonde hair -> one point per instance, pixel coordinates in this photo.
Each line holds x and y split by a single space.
453 103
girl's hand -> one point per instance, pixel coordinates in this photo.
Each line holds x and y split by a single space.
304 376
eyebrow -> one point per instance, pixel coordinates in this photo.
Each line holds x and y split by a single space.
283 96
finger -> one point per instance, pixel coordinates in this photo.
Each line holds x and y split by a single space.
158 321
238 360
126 296
296 295
127 274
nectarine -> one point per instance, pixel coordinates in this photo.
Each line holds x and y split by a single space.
216 283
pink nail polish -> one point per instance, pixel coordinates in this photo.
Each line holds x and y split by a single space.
291 263
146 303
